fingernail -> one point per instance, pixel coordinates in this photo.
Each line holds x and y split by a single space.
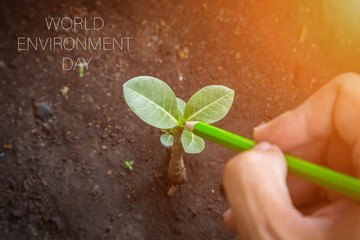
226 212
260 126
262 146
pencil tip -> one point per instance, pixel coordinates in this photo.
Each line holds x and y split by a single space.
190 125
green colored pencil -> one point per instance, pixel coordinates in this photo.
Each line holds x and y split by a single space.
312 172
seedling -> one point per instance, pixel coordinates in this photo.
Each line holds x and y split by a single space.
155 103
81 72
128 165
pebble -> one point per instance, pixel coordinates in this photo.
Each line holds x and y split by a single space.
57 221
184 53
49 58
155 38
96 189
43 111
2 64
64 90
18 212
108 229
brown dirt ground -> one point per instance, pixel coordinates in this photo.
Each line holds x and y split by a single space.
64 178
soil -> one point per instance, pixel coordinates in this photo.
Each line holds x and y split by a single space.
64 138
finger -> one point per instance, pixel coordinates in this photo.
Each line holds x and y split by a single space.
308 132
341 219
256 189
303 192
356 157
333 108
229 220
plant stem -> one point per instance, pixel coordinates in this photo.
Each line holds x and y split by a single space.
176 170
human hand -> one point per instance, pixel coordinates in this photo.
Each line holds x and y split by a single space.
264 201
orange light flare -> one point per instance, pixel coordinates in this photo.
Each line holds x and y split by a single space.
320 35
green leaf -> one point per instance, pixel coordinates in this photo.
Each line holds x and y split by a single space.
128 165
192 143
209 104
181 106
167 139
153 101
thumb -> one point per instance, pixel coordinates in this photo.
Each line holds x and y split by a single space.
255 185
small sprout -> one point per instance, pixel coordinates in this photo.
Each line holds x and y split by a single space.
139 217
129 188
81 72
128 165
169 113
